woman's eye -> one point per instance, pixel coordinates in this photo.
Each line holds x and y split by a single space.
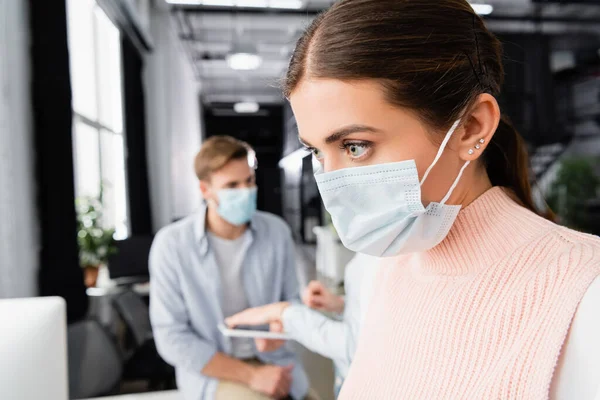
317 153
356 150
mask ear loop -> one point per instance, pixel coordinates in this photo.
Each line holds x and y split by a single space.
437 158
445 199
441 150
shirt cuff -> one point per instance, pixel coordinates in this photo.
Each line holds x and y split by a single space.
290 318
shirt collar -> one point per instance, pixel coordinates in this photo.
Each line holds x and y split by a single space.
200 228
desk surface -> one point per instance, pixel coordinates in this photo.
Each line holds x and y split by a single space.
167 395
142 289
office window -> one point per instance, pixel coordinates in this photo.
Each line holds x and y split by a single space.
96 81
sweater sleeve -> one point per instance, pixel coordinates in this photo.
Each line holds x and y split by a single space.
318 333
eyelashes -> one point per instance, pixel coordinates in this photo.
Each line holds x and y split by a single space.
315 152
355 150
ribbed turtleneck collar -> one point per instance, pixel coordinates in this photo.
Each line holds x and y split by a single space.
485 231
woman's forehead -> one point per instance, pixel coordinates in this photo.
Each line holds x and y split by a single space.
325 106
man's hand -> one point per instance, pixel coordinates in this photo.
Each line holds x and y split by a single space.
317 296
272 380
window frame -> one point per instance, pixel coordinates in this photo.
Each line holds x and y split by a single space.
123 227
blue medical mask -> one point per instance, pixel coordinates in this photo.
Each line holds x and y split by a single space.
237 206
377 209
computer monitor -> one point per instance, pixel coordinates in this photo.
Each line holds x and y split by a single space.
130 264
33 349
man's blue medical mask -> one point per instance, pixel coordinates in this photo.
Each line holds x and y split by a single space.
377 209
237 206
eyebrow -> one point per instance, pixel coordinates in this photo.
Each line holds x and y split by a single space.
233 183
342 133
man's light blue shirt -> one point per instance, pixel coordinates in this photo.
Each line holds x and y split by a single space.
185 297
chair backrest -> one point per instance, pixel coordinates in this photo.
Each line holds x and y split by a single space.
131 259
135 314
95 364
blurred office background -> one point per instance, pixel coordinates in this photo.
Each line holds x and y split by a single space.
104 104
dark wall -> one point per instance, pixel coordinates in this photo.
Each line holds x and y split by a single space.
528 96
264 132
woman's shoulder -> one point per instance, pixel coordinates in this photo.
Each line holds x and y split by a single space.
570 253
561 237
572 239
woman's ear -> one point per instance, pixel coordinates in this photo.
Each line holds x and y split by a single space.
479 127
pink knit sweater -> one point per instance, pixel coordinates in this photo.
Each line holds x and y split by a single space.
481 316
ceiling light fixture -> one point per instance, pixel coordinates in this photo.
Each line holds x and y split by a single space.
244 61
286 4
246 107
184 2
280 4
252 3
218 3
243 57
483 9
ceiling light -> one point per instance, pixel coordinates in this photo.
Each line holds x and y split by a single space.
483 9
184 2
252 3
244 61
286 4
243 57
218 3
246 107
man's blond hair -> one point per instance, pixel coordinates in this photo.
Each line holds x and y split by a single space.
216 152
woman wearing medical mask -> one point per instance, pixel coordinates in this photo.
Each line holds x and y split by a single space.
398 101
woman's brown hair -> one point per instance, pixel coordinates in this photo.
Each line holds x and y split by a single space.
431 56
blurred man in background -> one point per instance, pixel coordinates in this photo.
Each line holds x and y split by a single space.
213 264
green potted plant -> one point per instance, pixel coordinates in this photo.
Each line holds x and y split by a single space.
96 243
575 186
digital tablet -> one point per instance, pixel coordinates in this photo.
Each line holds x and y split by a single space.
247 332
